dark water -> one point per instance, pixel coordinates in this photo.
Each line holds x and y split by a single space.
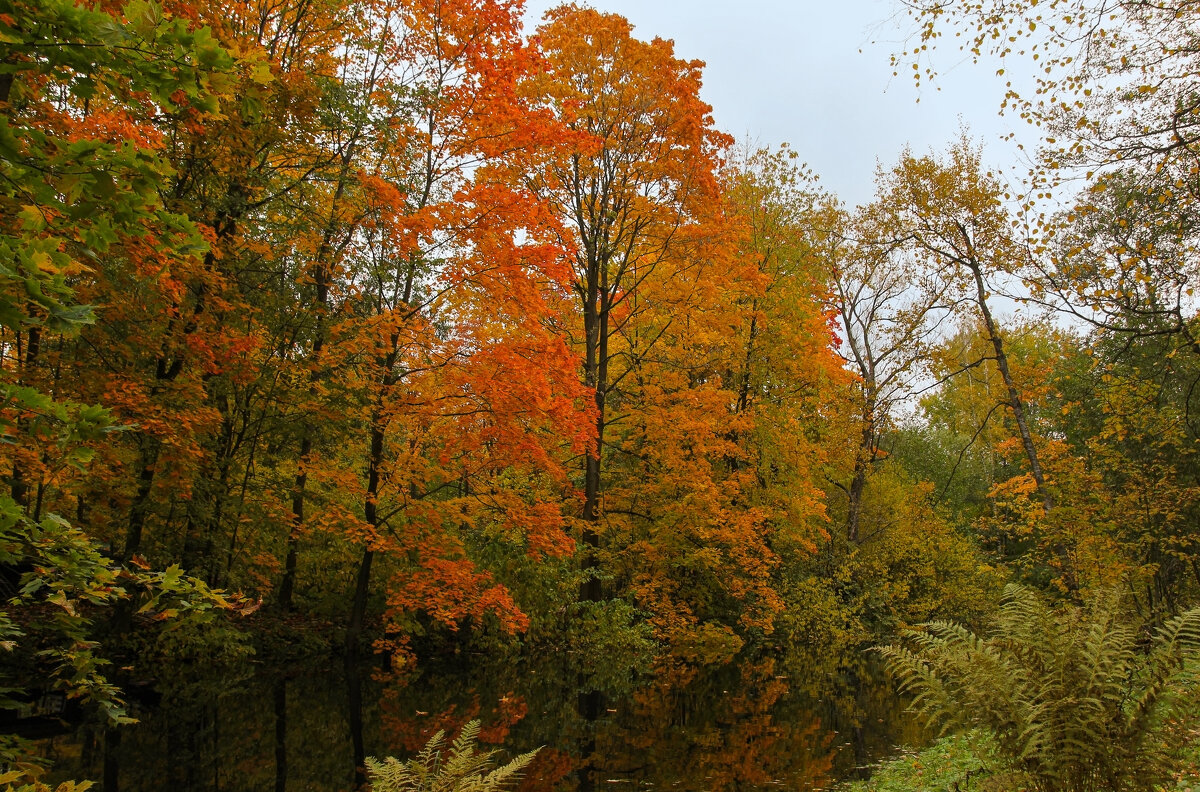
745 725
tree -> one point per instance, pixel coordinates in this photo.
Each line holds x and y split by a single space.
631 186
83 167
951 214
448 346
889 322
1115 82
1115 98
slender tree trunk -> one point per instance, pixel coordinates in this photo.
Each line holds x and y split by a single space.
744 380
862 466
122 615
743 401
231 549
358 606
20 487
323 276
300 484
595 322
362 584
211 491
1014 396
858 485
375 457
167 368
1017 406
141 499
288 583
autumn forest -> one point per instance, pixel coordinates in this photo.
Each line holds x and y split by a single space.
398 332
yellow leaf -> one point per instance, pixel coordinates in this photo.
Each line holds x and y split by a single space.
43 262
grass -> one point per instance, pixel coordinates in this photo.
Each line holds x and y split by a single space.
960 763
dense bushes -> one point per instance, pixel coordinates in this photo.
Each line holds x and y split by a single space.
1073 697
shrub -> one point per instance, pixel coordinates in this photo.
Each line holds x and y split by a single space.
1072 699
433 771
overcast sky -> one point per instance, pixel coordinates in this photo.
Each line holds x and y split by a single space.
792 70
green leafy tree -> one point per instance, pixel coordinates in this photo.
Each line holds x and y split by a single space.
74 185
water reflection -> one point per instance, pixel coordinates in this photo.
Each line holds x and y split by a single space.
279 694
753 724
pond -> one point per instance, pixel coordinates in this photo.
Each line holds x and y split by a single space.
753 723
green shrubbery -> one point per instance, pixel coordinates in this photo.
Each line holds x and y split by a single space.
1076 699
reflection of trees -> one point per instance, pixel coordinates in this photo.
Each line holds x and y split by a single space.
549 770
732 727
715 729
406 726
354 693
221 733
520 705
279 697
855 702
741 726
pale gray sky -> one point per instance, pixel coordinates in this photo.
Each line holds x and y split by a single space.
791 70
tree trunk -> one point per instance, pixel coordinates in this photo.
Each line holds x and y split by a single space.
141 499
362 586
1014 397
1015 403
358 606
595 322
287 585
20 487
323 278
862 465
300 484
855 495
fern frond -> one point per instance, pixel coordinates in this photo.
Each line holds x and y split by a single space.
465 769
1065 691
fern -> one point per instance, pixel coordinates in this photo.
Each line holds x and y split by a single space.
460 769
25 778
1071 701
